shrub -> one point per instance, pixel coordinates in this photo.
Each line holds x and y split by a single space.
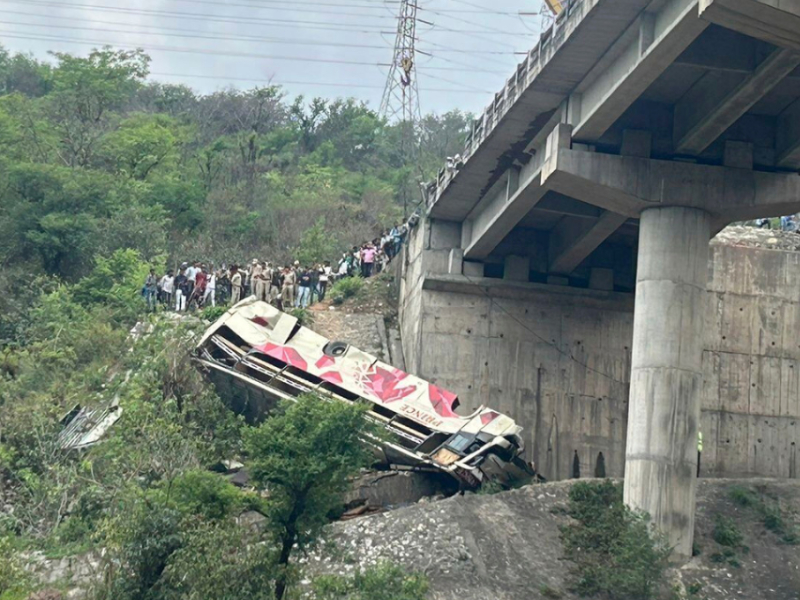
613 548
13 578
775 521
770 512
548 592
694 588
213 313
726 533
303 315
222 561
204 494
142 541
382 582
744 497
344 289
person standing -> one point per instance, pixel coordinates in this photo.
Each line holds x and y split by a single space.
223 284
325 273
304 288
236 285
367 260
211 289
287 288
191 277
251 278
397 240
260 282
199 291
151 290
296 269
275 285
181 288
167 285
314 272
344 267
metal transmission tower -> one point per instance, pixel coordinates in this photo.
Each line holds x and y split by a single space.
401 96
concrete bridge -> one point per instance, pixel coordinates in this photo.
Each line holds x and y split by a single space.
630 135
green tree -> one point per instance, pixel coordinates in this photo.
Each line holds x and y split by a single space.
141 144
305 457
24 74
85 92
222 561
316 245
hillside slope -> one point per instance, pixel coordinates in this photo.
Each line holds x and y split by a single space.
506 546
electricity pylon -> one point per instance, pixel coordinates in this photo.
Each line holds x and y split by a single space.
401 95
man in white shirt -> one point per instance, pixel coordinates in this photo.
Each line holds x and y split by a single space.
211 289
257 287
191 275
167 285
324 276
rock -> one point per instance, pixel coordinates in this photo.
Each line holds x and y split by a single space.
47 594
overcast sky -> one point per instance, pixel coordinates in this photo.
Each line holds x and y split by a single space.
313 47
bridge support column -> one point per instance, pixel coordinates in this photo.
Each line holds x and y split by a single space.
666 376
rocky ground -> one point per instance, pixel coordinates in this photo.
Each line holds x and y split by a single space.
506 546
366 322
753 237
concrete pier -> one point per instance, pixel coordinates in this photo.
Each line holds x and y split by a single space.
632 126
666 369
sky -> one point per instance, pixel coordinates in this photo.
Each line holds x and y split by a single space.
328 48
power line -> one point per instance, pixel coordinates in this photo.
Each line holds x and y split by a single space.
45 37
485 27
316 83
440 48
200 16
150 47
469 68
482 8
440 78
198 34
193 34
316 11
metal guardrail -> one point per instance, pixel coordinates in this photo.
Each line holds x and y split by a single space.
526 72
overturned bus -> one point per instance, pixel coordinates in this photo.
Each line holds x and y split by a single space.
256 355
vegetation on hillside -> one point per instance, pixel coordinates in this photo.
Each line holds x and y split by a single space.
614 550
96 159
102 176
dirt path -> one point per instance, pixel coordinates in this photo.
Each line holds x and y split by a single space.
360 329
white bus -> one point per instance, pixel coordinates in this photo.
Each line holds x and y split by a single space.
256 355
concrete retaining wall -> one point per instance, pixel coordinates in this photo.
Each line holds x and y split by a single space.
557 359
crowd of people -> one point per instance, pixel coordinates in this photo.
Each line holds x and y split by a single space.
199 285
786 223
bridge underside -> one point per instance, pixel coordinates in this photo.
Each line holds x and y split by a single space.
613 173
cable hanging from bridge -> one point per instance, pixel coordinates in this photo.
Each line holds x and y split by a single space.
552 343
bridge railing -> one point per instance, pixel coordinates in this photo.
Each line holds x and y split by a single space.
525 73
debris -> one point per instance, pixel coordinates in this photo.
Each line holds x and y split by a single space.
84 426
